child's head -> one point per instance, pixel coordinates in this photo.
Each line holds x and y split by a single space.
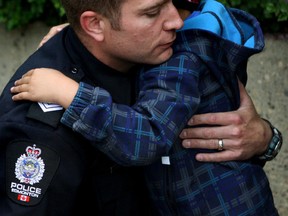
190 5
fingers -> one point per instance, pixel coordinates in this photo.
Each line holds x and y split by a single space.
221 118
21 91
21 83
20 96
245 99
212 144
221 156
53 31
17 89
26 78
200 143
21 88
29 73
231 151
223 132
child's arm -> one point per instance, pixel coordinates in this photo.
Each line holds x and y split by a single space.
45 85
136 135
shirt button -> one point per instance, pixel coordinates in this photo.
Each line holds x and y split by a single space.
74 71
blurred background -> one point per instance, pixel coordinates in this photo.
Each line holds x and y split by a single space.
23 23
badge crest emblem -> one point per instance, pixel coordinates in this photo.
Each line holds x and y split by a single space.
30 167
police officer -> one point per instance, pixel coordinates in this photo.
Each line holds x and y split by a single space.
46 168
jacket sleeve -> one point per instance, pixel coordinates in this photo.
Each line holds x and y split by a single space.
140 134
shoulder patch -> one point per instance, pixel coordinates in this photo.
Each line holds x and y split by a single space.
30 168
45 113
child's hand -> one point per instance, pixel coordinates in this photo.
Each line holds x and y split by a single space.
53 31
45 85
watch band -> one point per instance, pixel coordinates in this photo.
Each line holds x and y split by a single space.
274 145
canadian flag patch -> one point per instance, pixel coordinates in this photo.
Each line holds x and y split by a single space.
23 198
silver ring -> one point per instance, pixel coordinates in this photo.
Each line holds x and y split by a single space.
220 145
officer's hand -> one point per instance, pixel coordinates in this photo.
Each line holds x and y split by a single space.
243 132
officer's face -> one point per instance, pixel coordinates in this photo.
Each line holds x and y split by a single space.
147 31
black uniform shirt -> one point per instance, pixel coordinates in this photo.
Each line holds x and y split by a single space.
45 168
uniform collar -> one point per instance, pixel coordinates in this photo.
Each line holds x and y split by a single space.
120 85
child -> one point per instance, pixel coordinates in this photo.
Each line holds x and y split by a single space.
211 51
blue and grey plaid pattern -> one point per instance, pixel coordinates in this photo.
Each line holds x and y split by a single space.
189 187
141 134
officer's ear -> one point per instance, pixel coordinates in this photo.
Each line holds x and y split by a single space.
93 24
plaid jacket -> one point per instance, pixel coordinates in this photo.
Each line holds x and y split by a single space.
201 77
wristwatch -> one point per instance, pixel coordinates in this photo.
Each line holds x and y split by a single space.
274 145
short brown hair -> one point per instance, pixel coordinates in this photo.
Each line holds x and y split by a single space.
110 9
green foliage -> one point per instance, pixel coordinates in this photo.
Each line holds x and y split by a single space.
273 14
19 13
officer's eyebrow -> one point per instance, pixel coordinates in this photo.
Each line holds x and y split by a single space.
154 6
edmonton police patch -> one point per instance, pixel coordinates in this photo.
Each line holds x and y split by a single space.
30 168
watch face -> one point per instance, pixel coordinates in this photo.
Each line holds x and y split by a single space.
277 147
276 142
